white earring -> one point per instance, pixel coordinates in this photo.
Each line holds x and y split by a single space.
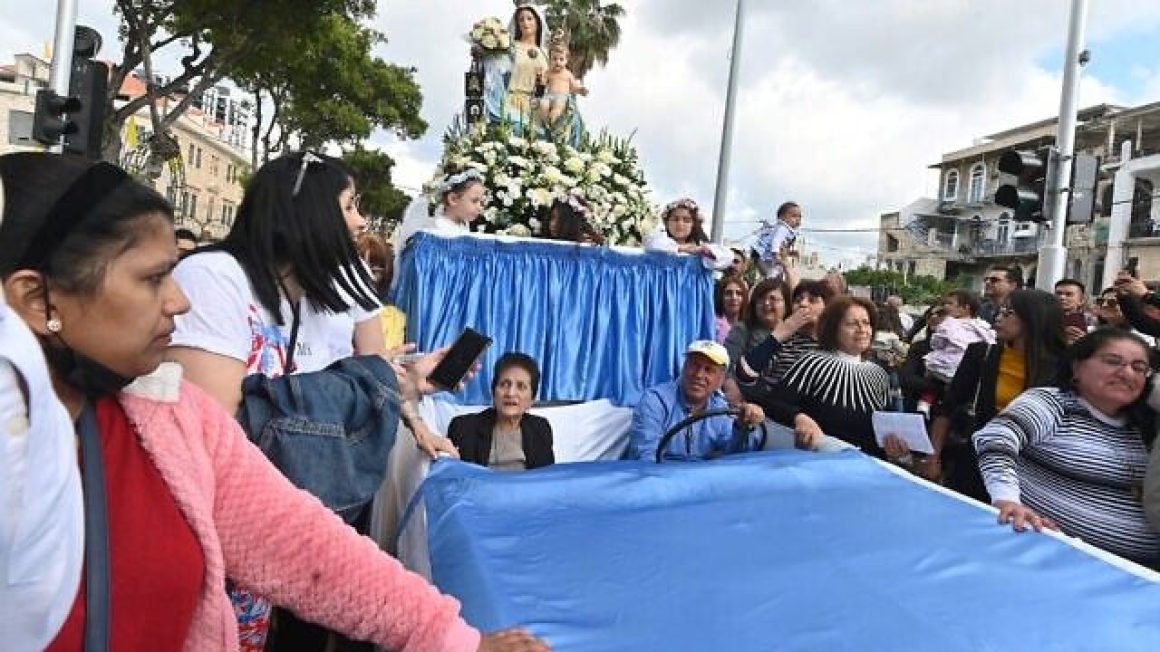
53 325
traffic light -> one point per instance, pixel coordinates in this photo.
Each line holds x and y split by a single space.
76 121
1033 171
50 121
1085 174
89 83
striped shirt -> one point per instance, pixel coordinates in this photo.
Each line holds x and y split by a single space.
1050 450
838 392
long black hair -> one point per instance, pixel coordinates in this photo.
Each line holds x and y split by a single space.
277 228
572 224
1044 347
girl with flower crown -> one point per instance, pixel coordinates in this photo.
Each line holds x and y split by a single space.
568 221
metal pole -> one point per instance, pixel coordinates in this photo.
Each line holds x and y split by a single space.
62 51
722 190
1053 258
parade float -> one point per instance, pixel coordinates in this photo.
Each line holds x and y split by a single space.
775 549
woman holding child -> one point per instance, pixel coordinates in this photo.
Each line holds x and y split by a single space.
1029 353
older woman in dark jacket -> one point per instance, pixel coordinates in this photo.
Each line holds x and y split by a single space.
505 436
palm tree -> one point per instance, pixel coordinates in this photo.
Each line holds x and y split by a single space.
593 30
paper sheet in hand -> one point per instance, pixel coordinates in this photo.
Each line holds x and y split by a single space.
910 428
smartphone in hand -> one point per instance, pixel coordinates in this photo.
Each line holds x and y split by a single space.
459 360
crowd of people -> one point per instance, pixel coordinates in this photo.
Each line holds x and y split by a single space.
187 376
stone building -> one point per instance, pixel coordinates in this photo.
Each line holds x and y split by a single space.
204 184
963 231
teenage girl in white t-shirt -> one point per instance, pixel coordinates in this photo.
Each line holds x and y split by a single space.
289 258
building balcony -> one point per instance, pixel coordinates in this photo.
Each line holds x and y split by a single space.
1012 247
1143 229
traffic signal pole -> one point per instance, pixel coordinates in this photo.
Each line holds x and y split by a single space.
1053 258
62 51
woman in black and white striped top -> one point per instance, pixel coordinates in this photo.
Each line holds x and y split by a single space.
835 389
1075 458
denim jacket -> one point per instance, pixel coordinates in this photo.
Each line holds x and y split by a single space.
328 431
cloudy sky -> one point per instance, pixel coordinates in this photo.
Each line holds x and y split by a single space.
841 105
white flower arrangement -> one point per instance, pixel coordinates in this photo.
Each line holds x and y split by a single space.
524 177
490 35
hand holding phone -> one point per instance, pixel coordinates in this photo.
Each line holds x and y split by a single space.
459 360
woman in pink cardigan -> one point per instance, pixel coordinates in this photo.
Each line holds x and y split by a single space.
85 258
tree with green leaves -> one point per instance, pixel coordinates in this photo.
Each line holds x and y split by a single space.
593 30
216 37
330 89
380 201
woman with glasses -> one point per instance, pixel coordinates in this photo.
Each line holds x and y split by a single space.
773 335
835 389
1074 457
1029 352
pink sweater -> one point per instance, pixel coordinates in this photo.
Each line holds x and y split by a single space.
257 528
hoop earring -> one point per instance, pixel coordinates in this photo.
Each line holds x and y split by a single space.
53 325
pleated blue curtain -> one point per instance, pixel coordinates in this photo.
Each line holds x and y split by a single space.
601 323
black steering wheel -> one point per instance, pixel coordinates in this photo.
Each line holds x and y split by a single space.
720 412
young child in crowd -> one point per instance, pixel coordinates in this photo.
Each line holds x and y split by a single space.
949 342
776 240
560 84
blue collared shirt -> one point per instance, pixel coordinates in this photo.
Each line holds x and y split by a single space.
664 406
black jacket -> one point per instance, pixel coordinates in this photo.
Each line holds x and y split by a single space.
471 434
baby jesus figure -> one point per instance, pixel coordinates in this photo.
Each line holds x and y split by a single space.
559 85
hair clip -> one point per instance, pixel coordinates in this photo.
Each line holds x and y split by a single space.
307 159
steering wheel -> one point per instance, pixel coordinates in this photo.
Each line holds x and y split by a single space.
720 412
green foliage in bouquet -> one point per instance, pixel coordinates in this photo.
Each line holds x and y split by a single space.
524 177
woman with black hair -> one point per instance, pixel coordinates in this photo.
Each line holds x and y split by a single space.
1073 457
177 498
285 292
1030 353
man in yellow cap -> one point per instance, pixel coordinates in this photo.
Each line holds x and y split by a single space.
698 389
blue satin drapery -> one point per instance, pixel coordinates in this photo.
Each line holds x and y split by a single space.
600 322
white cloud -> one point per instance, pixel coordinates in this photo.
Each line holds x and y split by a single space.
842 105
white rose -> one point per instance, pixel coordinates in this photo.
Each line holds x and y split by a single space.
490 42
534 223
519 230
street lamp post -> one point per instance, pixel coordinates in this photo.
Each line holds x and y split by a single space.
722 189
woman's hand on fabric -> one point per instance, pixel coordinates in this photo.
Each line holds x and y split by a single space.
807 434
1020 516
512 640
431 443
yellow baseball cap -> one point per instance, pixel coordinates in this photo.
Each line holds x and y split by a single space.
711 350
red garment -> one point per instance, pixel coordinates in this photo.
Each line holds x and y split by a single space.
156 564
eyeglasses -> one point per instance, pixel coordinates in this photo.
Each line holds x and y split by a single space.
307 159
1114 361
994 279
1005 311
1110 302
